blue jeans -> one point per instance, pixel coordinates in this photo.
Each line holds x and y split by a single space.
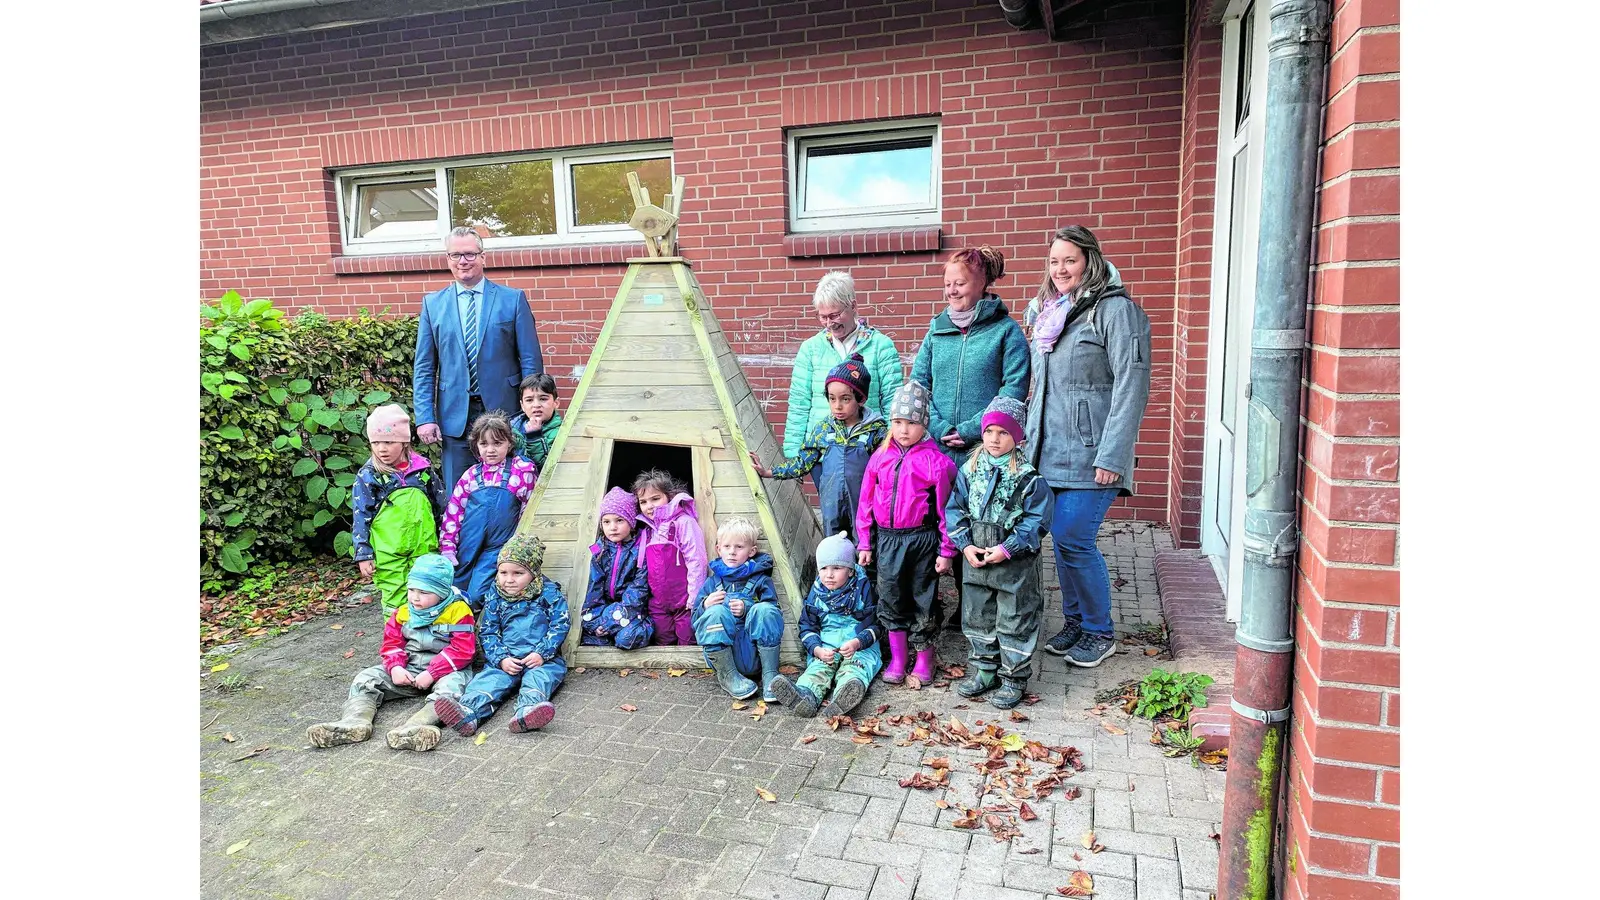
1080 569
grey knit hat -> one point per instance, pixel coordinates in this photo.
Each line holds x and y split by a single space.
836 551
911 403
1008 414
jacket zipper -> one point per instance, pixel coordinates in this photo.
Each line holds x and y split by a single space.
894 491
961 365
616 562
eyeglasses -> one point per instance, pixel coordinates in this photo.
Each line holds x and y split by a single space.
464 257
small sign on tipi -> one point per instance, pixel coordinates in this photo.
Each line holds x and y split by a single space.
663 389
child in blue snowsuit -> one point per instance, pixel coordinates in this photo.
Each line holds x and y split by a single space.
484 506
839 630
616 608
523 626
839 446
736 618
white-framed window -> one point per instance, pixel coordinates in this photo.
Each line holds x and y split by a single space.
874 175
573 196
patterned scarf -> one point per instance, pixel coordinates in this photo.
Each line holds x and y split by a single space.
997 470
839 600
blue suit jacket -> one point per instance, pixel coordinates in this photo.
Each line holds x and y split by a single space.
508 351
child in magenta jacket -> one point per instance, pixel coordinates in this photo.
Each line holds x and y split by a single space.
900 521
674 553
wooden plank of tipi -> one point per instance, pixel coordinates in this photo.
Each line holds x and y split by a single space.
701 398
705 493
599 472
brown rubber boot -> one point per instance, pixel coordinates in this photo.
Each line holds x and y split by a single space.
420 732
353 727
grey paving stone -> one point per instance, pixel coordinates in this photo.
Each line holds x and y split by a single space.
1113 809
828 836
1197 809
1172 825
1158 879
1148 794
844 893
686 846
1138 844
887 853
879 818
1197 861
939 875
873 787
895 883
1071 855
832 801
767 886
969 889
842 872
931 838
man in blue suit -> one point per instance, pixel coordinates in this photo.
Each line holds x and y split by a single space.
476 341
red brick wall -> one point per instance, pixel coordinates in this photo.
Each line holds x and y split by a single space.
1036 134
1197 194
1344 769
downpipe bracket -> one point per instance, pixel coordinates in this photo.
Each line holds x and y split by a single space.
1264 716
1264 645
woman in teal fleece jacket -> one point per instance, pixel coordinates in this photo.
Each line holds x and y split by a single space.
973 353
842 334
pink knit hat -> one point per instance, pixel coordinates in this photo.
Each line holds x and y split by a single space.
389 423
618 502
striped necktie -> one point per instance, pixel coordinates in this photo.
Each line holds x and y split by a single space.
472 341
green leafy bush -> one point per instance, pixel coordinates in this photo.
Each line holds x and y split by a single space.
283 406
1168 693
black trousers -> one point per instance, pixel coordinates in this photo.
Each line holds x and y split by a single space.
908 586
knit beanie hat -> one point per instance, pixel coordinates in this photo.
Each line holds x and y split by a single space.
853 374
432 573
389 423
1008 414
525 550
911 403
836 550
618 502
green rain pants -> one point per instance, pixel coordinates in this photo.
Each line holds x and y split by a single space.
402 530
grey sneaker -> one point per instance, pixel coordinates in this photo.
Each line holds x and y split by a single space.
1065 638
1091 650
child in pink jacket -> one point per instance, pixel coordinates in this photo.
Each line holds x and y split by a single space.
900 520
674 551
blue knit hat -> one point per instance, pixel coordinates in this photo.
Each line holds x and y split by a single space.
432 573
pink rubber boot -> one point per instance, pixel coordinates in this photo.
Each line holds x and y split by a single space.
899 655
923 670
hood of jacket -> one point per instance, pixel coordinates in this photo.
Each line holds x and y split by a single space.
990 307
760 564
677 505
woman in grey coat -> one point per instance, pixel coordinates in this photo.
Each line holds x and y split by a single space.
1091 380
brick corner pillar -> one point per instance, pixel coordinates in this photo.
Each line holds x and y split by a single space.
1343 803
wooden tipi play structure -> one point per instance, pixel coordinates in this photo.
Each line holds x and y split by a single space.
663 389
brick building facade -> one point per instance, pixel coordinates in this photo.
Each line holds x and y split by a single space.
1113 117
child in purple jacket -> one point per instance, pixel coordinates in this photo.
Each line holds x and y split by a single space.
900 520
674 553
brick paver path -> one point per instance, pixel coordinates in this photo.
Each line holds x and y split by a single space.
662 803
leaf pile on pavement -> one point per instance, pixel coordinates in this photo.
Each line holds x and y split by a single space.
282 595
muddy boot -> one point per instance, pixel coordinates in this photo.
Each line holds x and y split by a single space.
457 715
846 696
1010 694
977 683
420 732
899 654
769 671
728 674
922 672
353 727
532 718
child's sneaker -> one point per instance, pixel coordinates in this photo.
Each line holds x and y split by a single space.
533 718
976 684
1009 695
451 712
846 696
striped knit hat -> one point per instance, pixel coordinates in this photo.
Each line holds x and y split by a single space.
853 374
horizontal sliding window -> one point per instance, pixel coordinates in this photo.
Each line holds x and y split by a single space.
528 200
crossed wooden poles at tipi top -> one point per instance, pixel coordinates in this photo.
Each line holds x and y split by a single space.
659 226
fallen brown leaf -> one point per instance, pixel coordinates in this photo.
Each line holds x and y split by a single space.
942 803
860 739
954 671
1112 729
808 739
624 673
937 762
677 673
1151 651
740 704
651 675
335 626
1073 793
361 634
1018 715
229 737
628 707
1079 885
766 795
882 709
1026 813
1031 699
920 781
349 653
969 819
1087 840
761 710
580 670
1029 851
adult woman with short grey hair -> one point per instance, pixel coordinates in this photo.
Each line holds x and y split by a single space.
843 333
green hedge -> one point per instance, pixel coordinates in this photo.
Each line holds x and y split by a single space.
283 406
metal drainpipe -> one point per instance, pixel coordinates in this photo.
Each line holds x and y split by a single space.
1264 659
1022 14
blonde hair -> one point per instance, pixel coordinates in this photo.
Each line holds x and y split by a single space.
378 464
972 458
738 527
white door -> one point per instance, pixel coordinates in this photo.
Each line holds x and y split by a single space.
1233 275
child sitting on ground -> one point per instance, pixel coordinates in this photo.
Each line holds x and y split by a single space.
997 515
901 521
840 444
616 606
736 617
485 506
395 500
427 649
674 553
839 630
534 429
524 623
